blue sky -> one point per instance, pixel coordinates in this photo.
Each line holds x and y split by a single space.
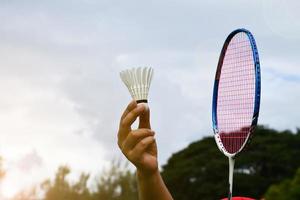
61 91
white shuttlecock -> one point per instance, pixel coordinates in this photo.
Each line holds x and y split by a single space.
138 81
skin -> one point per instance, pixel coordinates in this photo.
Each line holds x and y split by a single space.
139 147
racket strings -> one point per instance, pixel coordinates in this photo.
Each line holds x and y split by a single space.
236 93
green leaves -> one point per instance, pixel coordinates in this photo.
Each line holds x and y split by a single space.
289 189
200 171
114 183
61 188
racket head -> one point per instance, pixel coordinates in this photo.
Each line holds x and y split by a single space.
236 94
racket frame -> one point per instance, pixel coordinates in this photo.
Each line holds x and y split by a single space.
257 91
231 156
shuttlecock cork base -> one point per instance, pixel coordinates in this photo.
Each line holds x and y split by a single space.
142 101
138 81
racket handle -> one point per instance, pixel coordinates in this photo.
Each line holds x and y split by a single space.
231 168
229 196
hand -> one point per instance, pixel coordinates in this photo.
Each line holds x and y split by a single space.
139 145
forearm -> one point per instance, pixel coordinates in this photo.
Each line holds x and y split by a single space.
152 187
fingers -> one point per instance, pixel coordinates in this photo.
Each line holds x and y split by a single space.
131 116
145 118
141 147
129 108
134 137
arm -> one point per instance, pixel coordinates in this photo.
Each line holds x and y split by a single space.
140 148
152 187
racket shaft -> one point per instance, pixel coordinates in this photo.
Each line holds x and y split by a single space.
231 168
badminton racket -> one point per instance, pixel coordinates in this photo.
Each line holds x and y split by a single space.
236 96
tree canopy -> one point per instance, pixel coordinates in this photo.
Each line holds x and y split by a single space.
115 183
200 171
289 189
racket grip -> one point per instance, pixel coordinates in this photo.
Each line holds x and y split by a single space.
229 196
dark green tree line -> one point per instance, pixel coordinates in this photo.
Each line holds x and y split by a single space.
200 171
288 189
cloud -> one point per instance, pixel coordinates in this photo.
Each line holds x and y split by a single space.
281 17
30 161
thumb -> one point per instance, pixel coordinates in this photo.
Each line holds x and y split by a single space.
145 118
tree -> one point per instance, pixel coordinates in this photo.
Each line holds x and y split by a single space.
200 171
117 183
61 189
289 189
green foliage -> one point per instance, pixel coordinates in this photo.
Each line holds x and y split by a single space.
289 189
201 171
62 189
115 183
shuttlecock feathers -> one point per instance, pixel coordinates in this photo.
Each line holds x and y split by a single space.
138 81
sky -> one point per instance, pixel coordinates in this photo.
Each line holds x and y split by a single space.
61 94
